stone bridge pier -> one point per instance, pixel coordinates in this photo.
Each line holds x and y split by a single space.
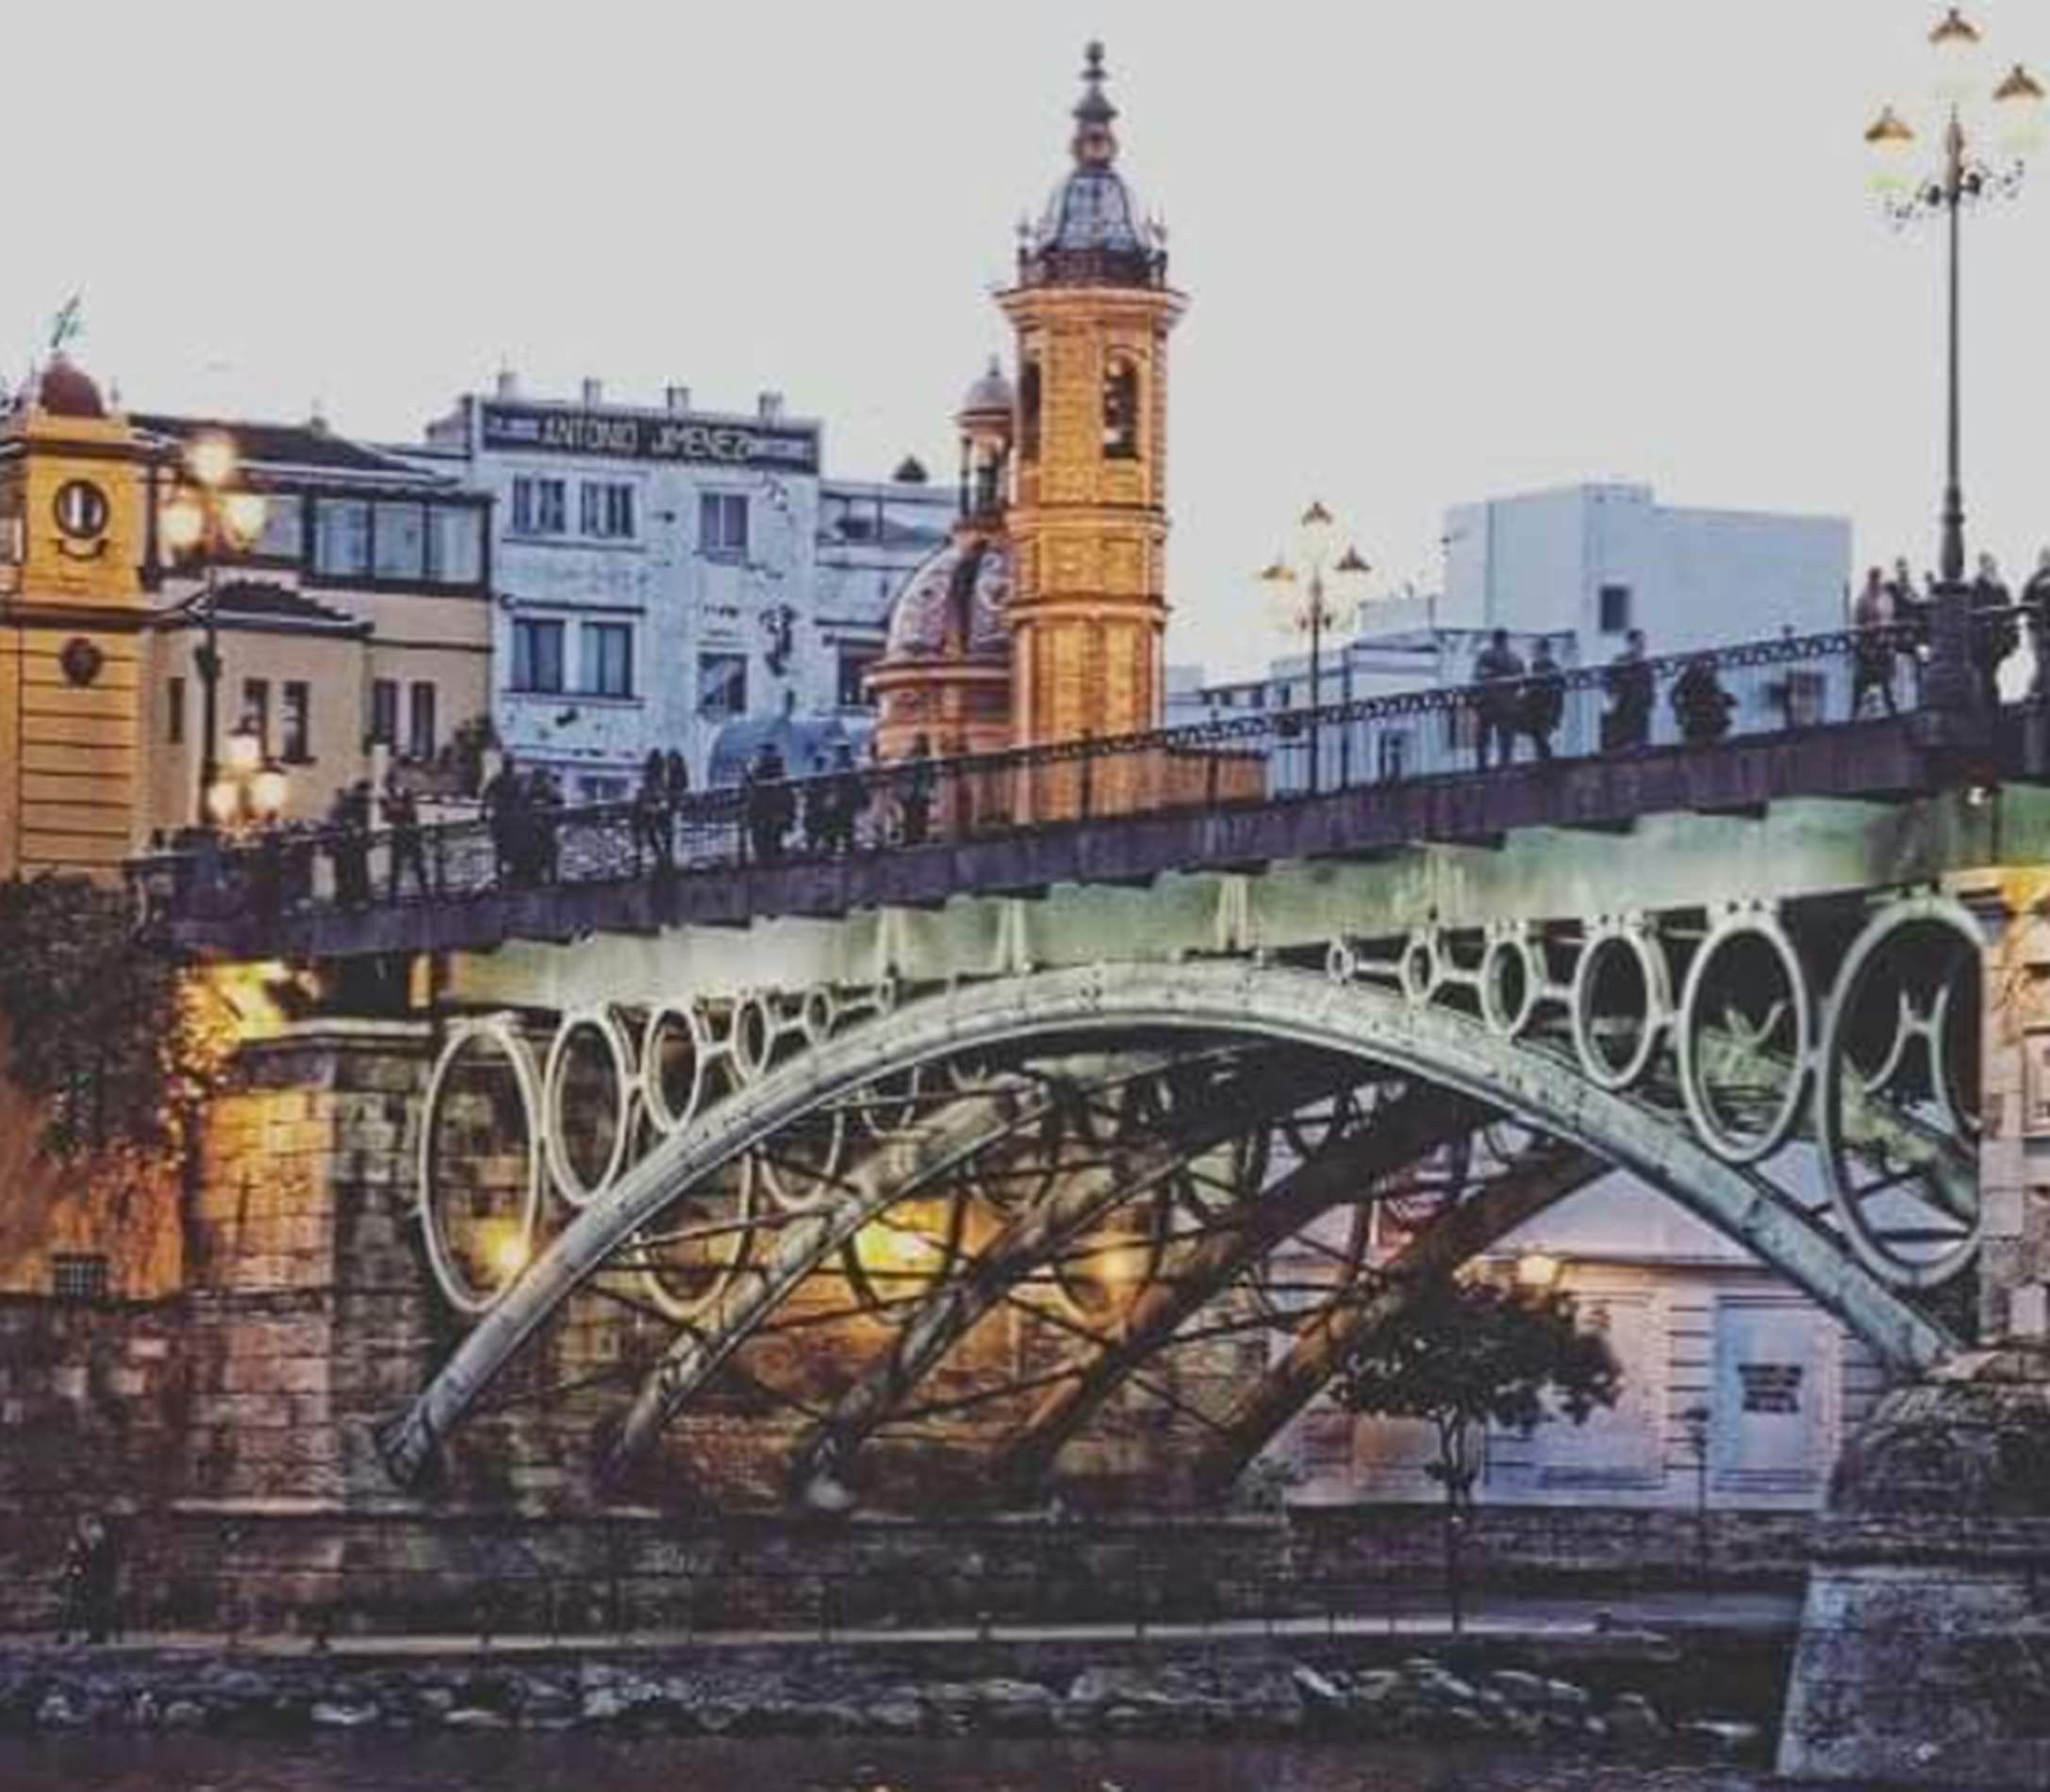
1925 1649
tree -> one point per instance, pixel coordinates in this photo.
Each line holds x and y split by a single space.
1468 1354
121 1043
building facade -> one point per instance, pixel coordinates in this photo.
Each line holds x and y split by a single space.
663 572
352 633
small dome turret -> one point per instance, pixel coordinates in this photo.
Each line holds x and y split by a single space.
989 401
67 391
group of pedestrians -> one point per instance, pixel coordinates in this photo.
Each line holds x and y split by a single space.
665 783
834 797
1891 616
1514 702
524 809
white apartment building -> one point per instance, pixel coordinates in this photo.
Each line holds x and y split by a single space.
663 572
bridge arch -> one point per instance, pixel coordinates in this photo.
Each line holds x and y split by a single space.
1247 998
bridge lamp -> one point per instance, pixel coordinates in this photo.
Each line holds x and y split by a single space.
506 1250
1538 1271
1983 133
210 515
1307 593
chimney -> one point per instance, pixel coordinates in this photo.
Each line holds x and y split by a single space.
769 406
594 393
677 398
508 384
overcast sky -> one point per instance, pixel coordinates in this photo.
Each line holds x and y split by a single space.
1436 250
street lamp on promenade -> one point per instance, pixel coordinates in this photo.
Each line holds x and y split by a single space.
1310 593
206 517
1965 174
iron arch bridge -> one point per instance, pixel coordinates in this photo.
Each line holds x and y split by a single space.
1025 1204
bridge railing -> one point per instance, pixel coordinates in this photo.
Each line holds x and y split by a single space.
1236 756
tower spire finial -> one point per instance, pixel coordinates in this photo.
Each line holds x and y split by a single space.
1095 145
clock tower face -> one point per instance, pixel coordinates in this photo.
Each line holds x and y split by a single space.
81 509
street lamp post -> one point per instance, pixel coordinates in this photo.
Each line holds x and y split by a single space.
1302 593
1962 176
208 517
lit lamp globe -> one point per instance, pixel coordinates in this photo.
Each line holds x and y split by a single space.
182 521
223 801
1314 533
245 750
1348 583
267 791
1277 592
210 460
1956 42
241 517
2018 116
1889 143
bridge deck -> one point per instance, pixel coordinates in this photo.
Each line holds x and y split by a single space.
1126 812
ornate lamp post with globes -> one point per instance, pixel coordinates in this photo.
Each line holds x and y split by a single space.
1965 174
206 517
1310 594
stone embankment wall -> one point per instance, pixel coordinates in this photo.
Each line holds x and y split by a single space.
1641 1700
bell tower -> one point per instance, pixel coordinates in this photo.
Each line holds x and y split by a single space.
1092 309
73 646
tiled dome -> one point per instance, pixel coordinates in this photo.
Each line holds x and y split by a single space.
952 605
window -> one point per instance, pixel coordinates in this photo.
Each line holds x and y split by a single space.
1392 754
384 728
539 507
601 789
608 510
454 544
400 541
295 740
341 537
257 711
723 684
75 1276
1804 695
174 712
284 527
420 740
1027 411
722 525
536 655
1615 609
855 665
607 653
1120 410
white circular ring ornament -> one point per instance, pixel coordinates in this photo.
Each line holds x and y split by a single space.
602 1022
1730 1146
671 1018
1834 1064
1422 967
1502 1019
1651 969
501 1032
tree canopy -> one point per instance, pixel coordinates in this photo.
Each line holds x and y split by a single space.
119 1042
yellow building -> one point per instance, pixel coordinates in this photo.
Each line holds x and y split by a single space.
353 628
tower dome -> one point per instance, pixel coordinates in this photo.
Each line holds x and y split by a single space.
1093 231
989 401
66 390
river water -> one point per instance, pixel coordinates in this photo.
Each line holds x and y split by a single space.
159 1763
